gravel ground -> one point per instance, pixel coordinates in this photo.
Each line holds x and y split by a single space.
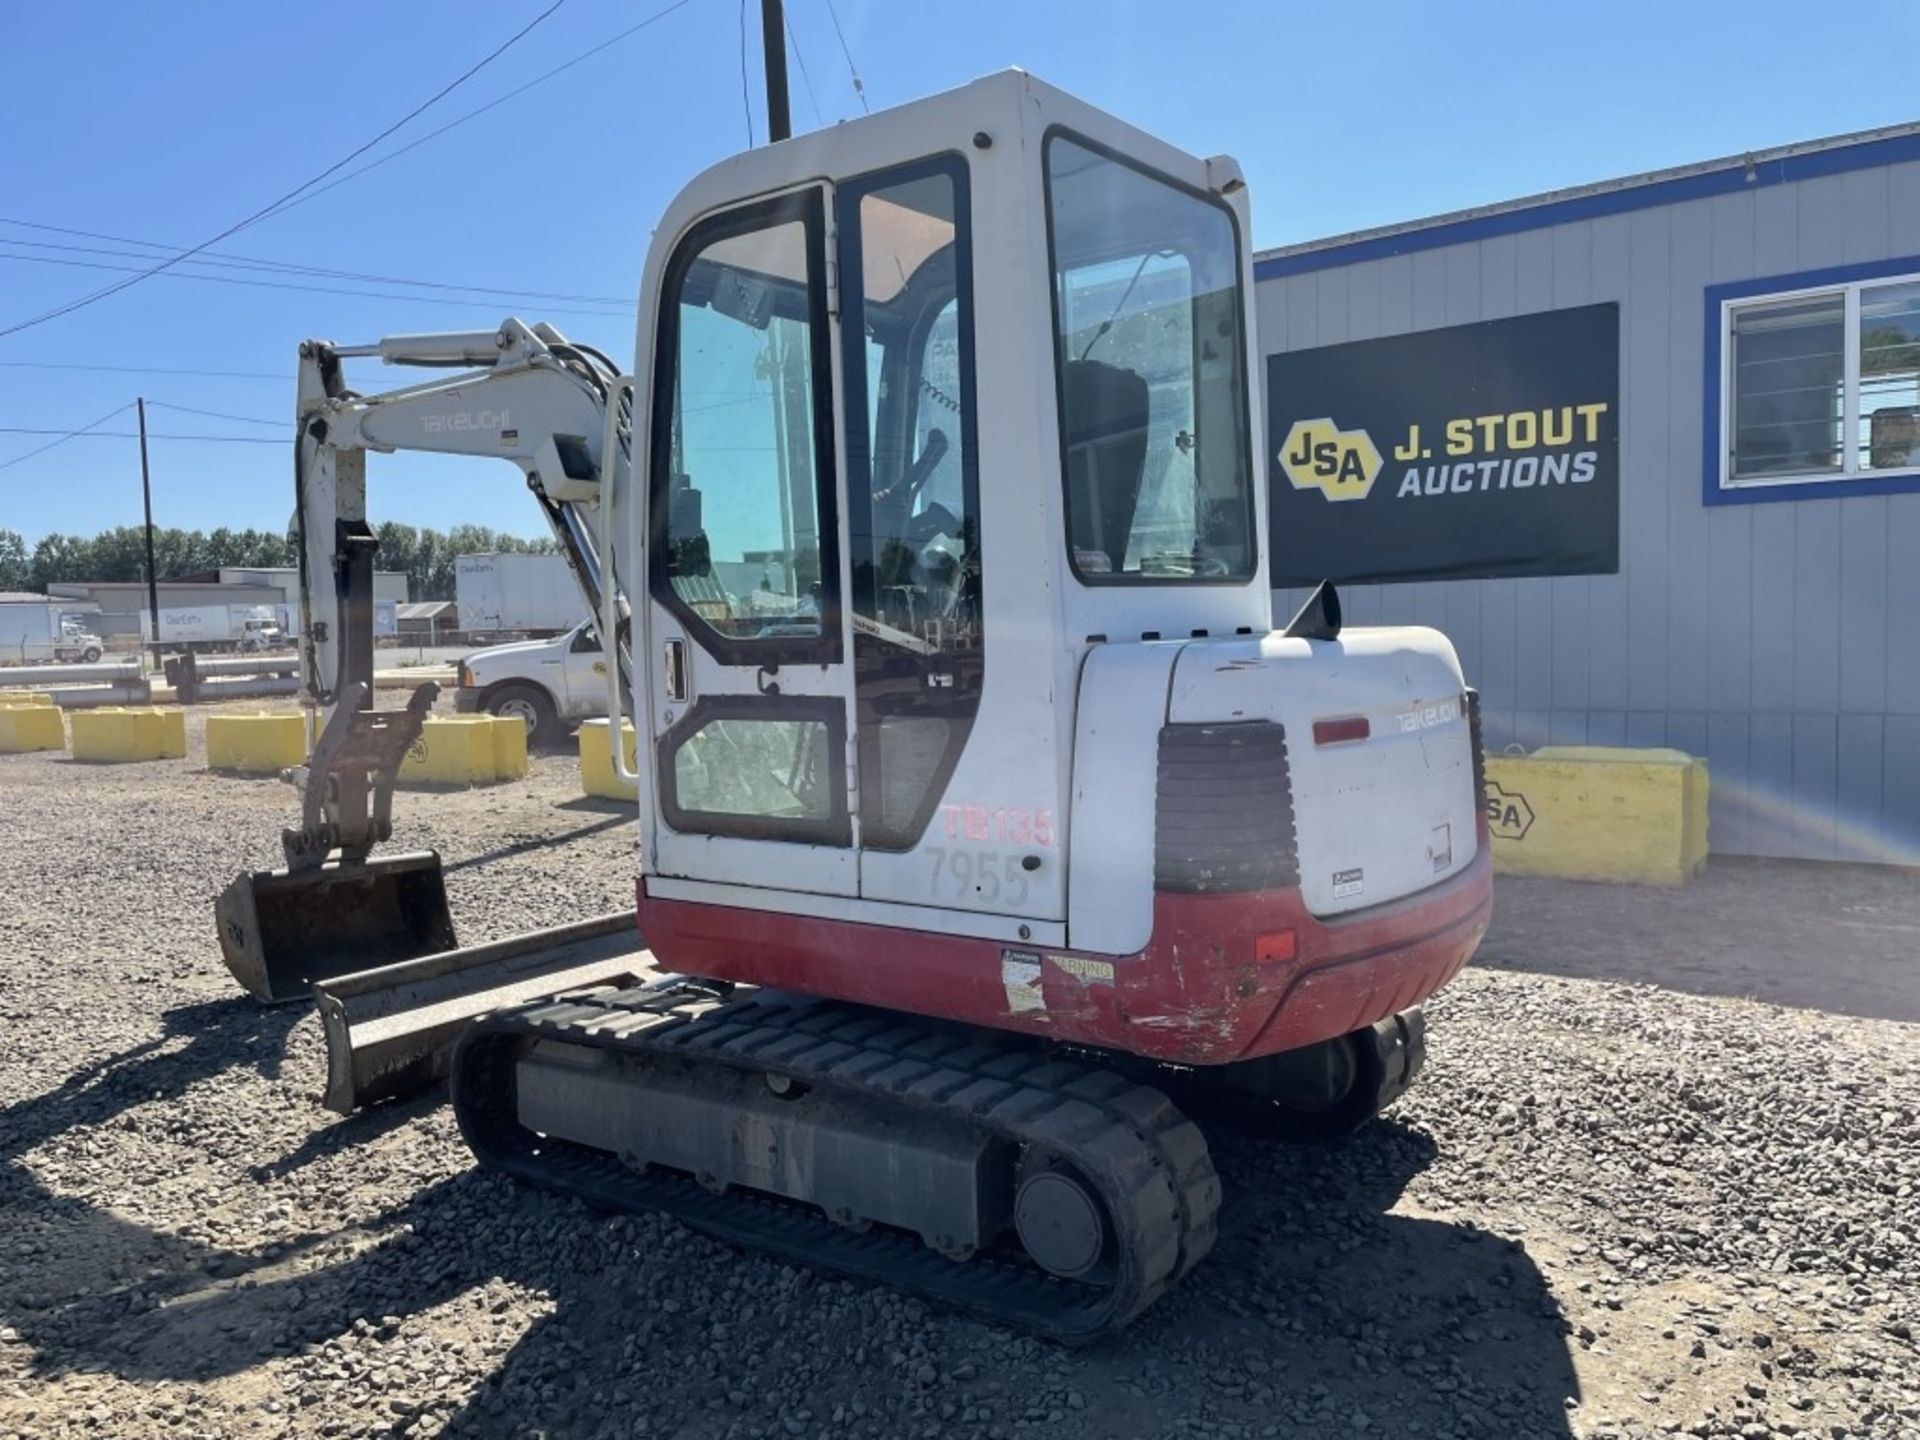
1607 1210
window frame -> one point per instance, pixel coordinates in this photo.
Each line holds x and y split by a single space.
835 828
807 207
1254 539
1723 303
961 706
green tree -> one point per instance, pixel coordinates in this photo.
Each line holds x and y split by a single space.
59 557
15 566
426 556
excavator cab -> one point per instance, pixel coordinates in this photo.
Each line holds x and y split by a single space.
958 683
930 409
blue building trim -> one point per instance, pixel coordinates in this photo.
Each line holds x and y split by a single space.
1897 482
1893 150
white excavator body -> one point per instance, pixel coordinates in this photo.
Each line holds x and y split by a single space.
930 531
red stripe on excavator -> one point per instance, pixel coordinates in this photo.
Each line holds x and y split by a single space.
1200 993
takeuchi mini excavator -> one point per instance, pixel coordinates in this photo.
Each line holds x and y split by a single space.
983 811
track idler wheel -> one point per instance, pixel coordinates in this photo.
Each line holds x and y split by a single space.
1060 1222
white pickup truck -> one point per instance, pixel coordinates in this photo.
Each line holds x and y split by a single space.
552 685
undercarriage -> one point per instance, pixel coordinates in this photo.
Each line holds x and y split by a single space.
1030 1186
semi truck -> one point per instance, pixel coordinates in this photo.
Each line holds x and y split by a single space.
33 633
217 627
524 596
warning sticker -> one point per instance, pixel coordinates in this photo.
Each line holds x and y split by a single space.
1348 883
1086 971
1020 974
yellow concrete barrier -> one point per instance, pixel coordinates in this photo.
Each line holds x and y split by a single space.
1589 812
25 697
118 733
466 750
30 727
509 747
260 744
596 761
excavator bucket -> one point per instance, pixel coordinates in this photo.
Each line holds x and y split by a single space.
283 931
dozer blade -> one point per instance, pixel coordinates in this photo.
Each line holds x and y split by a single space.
391 1031
281 931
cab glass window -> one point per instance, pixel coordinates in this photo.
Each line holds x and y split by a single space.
912 493
759 767
1151 359
743 462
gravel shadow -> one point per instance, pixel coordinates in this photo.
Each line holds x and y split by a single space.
218 1036
1319 1311
54 1248
538 842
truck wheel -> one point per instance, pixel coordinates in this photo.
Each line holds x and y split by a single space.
530 705
91 655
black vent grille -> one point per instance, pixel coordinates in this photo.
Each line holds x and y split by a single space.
1479 750
1224 810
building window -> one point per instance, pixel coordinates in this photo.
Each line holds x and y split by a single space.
1821 384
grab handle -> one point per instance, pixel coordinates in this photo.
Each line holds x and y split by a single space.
612 474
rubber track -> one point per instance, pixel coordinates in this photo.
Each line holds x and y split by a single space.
1149 1163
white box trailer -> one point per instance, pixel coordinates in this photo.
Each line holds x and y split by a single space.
34 632
217 627
533 595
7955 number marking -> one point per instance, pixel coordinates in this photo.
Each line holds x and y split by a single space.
974 875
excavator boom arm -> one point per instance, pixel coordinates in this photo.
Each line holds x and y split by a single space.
522 393
539 404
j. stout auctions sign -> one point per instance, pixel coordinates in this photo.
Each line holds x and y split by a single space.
1470 452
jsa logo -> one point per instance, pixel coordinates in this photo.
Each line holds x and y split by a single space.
1340 464
1509 816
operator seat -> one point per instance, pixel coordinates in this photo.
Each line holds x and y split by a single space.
1104 410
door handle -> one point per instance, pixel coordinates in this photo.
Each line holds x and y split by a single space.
674 661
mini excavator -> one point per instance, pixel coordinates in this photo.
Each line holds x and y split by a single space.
983 810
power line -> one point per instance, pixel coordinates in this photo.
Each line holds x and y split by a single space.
806 80
68 435
90 433
143 370
281 424
859 88
478 111
226 260
290 285
746 102
442 93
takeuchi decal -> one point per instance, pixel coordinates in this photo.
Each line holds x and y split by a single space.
1472 451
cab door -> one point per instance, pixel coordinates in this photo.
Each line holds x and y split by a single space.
751 701
913 506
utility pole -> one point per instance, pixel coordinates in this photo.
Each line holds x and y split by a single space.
773 44
146 499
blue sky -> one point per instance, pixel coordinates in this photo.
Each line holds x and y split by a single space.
168 123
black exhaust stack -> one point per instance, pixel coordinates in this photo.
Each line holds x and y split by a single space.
1319 618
